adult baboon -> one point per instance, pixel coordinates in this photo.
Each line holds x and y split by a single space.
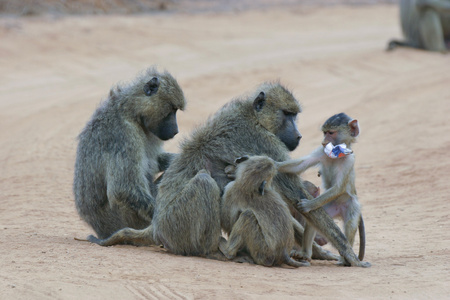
425 25
120 151
261 124
255 216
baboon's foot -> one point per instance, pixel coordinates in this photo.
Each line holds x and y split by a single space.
300 255
343 262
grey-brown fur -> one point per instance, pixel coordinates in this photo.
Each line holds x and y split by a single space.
191 223
120 151
313 190
262 123
255 216
338 179
425 25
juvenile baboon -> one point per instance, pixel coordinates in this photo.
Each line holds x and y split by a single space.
261 124
310 187
255 216
425 25
120 151
338 179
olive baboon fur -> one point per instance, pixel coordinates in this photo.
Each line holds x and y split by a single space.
425 25
260 124
255 216
120 151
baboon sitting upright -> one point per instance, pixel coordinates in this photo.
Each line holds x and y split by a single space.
425 25
120 151
255 216
260 124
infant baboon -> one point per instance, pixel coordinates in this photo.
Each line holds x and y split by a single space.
255 216
338 178
120 151
310 187
425 25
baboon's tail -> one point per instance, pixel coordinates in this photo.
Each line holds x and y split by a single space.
130 236
362 239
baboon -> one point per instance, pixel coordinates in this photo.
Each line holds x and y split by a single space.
425 25
120 151
191 222
338 179
310 187
255 216
201 230
260 124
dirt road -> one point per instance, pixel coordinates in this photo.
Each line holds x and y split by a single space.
55 71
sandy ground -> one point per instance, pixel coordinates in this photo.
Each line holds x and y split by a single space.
55 71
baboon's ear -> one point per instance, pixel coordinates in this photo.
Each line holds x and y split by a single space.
241 159
151 87
259 102
354 128
261 188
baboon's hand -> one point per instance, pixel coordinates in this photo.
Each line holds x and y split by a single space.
230 170
305 205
